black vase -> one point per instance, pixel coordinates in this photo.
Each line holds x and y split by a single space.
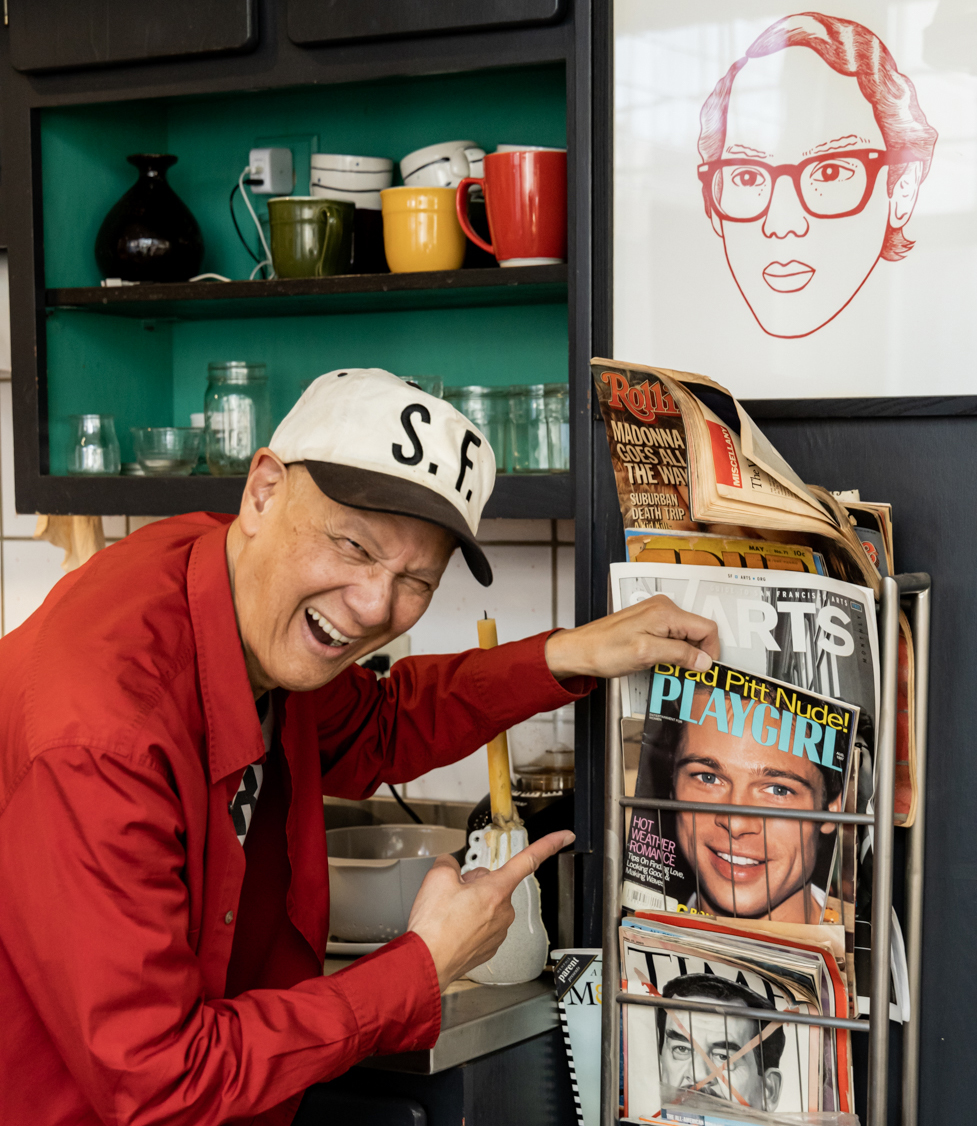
150 235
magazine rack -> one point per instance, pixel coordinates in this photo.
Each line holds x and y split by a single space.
914 589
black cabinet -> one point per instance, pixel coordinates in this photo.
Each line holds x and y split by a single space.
49 35
318 22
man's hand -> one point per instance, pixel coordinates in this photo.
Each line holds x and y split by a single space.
634 639
463 919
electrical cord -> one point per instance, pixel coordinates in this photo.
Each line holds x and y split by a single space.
244 241
404 806
261 234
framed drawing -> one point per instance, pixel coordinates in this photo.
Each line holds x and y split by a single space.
795 194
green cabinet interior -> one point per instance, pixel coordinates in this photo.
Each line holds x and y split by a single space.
154 372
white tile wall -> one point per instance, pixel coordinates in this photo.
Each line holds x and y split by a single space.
532 591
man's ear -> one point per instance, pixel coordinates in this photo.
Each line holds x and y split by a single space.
902 198
717 223
266 485
835 807
773 1080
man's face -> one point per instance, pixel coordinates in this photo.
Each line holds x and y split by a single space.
738 862
319 585
683 1067
795 271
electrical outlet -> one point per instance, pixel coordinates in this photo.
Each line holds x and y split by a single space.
270 171
302 146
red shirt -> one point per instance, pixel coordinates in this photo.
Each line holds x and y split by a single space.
126 722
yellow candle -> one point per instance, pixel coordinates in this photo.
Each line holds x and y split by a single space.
500 786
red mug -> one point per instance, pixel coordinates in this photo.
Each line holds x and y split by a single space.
526 202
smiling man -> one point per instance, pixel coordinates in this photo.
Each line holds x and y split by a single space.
813 150
169 721
752 867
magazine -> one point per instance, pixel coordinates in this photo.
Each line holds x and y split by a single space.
730 736
577 978
767 1065
688 458
709 550
817 633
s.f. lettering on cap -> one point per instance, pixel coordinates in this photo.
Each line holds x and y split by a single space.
370 440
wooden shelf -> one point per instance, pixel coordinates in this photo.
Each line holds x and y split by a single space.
296 297
546 496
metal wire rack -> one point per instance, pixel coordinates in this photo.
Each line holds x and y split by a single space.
915 590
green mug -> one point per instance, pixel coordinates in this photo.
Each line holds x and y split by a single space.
311 238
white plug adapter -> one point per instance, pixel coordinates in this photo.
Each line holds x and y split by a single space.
270 171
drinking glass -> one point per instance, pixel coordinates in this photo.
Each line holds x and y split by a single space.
557 410
540 417
94 447
238 416
488 408
530 436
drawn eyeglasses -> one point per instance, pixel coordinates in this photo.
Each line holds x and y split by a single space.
829 186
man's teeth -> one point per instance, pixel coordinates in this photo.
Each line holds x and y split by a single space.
742 860
328 628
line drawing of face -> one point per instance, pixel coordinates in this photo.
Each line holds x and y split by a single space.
809 192
720 1040
737 861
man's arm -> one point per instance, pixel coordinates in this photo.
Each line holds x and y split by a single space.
432 711
634 638
94 923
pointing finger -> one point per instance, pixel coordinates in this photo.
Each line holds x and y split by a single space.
524 863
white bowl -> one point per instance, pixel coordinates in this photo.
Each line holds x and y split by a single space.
442 166
337 162
352 181
369 201
375 871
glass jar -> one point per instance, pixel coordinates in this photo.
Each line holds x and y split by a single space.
237 416
488 409
557 409
542 760
94 446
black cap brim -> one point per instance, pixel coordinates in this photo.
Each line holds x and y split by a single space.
380 492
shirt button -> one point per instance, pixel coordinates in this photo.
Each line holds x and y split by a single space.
229 918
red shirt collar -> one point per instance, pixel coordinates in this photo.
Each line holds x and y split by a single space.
231 720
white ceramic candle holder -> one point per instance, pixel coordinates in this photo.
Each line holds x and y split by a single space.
522 955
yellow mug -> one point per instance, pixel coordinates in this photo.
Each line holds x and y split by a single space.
421 230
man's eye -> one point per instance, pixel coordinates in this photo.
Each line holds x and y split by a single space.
748 178
779 791
706 778
681 1051
416 586
831 173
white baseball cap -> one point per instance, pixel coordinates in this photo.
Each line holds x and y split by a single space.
370 440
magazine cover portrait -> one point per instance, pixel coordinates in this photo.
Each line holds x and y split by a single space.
795 193
728 737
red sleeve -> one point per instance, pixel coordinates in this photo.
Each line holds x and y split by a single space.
431 711
94 922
